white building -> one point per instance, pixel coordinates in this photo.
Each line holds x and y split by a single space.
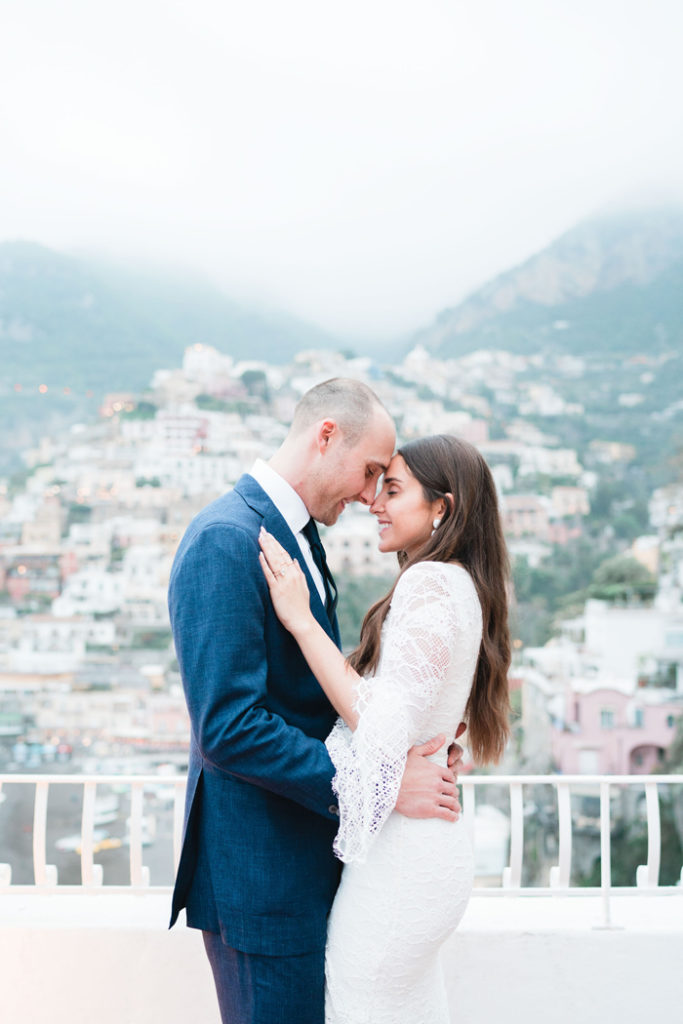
91 590
145 570
421 418
351 546
196 473
549 462
207 367
631 642
45 644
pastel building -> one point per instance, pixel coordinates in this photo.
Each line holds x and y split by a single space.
608 731
525 515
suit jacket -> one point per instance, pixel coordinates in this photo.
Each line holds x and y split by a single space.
260 814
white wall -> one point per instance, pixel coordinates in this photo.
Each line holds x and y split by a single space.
77 959
621 636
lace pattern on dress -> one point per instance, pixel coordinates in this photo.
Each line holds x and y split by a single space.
427 641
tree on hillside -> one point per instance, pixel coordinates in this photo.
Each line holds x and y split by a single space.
673 765
356 595
621 579
143 410
673 761
256 384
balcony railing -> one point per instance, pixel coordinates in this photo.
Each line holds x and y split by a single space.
140 787
45 874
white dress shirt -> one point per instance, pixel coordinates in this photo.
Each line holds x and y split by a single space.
293 511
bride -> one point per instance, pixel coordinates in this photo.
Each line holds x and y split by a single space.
433 652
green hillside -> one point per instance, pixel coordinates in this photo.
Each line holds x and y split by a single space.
83 328
71 322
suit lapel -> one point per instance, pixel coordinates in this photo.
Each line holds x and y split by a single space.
274 522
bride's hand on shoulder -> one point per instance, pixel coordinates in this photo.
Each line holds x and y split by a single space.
287 584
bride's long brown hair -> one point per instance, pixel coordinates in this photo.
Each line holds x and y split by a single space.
470 532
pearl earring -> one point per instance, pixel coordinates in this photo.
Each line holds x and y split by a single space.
436 523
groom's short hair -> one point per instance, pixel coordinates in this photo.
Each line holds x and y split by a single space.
351 403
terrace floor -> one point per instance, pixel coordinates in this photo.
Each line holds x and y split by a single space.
110 959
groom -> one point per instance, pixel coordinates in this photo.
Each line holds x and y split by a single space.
257 874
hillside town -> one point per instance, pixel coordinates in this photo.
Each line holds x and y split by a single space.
88 533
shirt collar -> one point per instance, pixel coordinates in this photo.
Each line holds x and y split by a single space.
284 497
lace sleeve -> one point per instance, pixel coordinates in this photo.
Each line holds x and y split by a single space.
418 644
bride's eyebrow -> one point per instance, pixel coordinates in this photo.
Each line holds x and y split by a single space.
391 480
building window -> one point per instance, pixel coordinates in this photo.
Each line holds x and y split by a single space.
638 718
670 721
606 718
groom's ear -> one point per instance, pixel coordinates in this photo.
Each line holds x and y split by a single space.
326 431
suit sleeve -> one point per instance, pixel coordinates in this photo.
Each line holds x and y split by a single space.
217 604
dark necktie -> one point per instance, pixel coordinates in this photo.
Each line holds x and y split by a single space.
310 532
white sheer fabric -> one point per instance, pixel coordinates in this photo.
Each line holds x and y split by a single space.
407 881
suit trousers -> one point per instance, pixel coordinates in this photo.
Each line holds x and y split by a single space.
256 989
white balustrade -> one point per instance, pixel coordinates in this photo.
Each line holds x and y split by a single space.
139 874
648 874
560 874
45 874
605 851
92 880
92 875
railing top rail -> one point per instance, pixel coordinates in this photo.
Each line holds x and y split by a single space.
78 778
478 780
629 780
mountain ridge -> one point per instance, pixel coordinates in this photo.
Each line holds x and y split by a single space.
580 291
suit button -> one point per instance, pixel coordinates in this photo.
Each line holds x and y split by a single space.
333 809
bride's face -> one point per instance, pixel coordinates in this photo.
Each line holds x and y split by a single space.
404 517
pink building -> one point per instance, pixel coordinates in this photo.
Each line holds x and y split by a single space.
607 731
524 515
29 575
561 532
68 564
570 501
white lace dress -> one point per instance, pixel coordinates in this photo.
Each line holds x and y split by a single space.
406 882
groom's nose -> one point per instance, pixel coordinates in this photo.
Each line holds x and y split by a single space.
369 493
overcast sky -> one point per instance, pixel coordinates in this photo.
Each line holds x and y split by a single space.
361 164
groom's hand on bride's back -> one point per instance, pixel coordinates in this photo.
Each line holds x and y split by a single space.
427 789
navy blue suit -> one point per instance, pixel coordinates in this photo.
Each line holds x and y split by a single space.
257 865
